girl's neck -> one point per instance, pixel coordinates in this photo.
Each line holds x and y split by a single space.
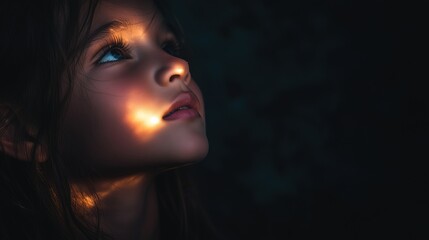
127 206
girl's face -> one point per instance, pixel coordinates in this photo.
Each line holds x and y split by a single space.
134 105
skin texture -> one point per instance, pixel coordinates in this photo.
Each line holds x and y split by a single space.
98 125
101 130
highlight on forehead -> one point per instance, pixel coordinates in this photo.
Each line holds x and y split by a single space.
159 12
118 27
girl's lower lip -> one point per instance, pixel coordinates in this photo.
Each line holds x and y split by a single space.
182 114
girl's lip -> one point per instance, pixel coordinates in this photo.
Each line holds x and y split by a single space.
185 99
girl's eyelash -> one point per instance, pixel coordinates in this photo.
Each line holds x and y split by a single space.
116 42
172 47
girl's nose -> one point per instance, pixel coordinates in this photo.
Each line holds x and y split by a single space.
173 69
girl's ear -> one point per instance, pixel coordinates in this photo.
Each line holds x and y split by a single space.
16 143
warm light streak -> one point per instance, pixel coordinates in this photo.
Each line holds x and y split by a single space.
144 116
154 120
88 201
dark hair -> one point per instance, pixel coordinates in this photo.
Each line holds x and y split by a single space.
40 45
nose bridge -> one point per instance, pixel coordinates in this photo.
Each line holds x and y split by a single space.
172 69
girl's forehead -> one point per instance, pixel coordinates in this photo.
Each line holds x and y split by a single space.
131 12
129 3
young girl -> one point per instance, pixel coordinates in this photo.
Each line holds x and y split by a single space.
98 112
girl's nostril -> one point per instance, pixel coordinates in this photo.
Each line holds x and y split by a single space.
174 77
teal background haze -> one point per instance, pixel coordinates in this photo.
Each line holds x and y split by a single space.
317 117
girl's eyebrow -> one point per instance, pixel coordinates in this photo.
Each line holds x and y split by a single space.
105 30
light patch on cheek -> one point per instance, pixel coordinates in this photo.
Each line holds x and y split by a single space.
144 117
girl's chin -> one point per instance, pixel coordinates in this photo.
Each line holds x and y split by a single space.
164 156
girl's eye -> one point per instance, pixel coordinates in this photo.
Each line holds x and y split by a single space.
113 54
173 48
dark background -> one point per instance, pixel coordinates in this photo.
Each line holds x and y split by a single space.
317 117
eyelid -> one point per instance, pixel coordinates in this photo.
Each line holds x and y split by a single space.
170 43
177 45
111 43
172 38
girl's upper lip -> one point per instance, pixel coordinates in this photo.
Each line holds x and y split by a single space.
183 99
